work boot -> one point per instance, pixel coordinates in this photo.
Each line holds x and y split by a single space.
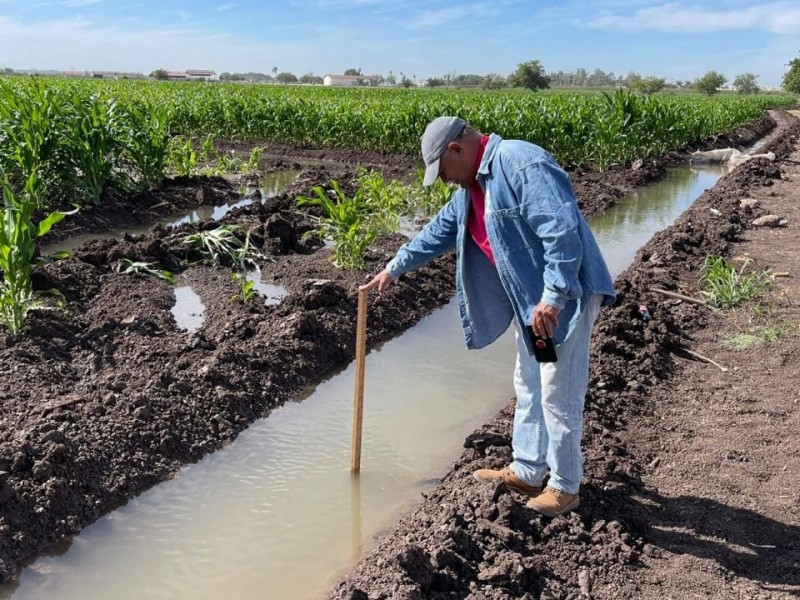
553 502
507 476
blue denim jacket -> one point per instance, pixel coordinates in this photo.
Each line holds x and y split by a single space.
541 243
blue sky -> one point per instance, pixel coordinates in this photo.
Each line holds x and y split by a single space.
675 40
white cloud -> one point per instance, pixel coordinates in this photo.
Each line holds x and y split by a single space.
443 17
224 7
776 17
74 3
73 43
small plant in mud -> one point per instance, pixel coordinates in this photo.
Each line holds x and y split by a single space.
246 288
725 286
18 235
207 149
130 266
345 222
182 157
224 245
229 162
254 162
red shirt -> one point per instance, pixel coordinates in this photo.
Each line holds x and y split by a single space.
476 224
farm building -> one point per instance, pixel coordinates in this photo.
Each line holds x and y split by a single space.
351 80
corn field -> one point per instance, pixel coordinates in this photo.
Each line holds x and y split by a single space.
82 135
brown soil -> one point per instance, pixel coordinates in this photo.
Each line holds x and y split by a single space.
107 398
691 487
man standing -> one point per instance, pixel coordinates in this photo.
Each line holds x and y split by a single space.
525 255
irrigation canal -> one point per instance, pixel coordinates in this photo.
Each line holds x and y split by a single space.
277 514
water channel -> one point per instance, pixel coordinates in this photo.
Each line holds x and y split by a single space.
276 515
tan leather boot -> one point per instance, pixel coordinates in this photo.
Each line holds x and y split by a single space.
509 477
553 502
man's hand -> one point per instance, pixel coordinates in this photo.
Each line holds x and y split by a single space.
381 281
544 320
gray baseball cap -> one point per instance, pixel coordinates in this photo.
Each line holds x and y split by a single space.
438 134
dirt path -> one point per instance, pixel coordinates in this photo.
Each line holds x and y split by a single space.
692 474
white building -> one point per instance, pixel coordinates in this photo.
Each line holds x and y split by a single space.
351 80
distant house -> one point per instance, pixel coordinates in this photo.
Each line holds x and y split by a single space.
116 75
351 80
177 75
201 75
76 74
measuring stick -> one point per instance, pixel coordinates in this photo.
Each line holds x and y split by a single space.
358 398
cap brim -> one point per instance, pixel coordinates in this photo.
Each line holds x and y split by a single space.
431 173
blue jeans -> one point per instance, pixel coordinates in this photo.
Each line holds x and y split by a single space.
548 420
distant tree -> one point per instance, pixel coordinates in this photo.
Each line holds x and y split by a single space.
159 74
494 82
746 83
435 82
791 79
311 78
391 79
286 77
529 75
631 79
469 80
405 81
274 70
8 71
649 85
710 83
353 72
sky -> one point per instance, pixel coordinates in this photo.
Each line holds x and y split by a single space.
679 40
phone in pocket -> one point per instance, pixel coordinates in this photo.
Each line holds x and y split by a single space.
543 348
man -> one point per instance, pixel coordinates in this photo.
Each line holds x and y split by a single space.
524 254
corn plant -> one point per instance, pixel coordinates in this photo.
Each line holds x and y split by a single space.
18 235
182 158
345 222
386 201
725 286
254 162
147 144
224 245
130 266
94 144
246 288
207 149
229 162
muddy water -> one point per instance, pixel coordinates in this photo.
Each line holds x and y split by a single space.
277 514
271 185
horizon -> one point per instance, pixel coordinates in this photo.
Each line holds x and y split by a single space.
673 40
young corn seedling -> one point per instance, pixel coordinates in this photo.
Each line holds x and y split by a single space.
254 162
18 235
130 266
208 149
246 288
182 157
386 201
345 222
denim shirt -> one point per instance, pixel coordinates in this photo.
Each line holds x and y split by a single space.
541 243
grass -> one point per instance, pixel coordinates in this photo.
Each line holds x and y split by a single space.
725 286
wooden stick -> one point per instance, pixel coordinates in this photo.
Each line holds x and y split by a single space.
679 296
358 398
706 359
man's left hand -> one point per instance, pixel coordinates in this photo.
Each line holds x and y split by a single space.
545 319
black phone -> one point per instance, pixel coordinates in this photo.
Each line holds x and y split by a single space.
543 348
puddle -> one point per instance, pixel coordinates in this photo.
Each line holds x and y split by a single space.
276 514
273 294
189 311
272 185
